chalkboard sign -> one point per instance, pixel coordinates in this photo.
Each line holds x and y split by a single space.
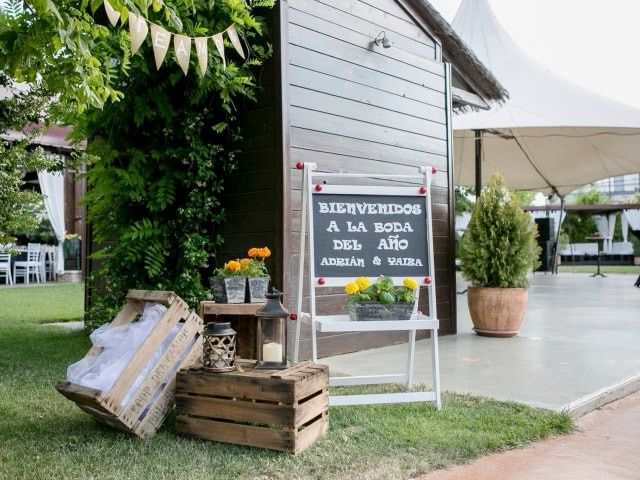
370 235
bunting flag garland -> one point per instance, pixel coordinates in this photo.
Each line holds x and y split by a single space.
203 54
112 15
161 40
235 41
182 46
138 29
217 39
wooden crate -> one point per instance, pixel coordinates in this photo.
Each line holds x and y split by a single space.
285 410
242 319
148 407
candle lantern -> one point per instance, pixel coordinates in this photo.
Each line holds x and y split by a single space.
219 347
271 335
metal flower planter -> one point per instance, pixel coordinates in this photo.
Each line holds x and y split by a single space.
228 290
257 289
376 311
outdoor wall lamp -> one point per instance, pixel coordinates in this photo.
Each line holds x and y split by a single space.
382 39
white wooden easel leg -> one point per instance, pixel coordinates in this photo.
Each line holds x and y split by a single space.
435 367
314 342
411 354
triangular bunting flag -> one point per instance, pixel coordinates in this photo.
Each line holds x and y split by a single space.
202 50
235 40
112 15
161 39
217 39
138 29
182 46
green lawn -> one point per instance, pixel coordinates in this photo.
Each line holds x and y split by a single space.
590 269
44 436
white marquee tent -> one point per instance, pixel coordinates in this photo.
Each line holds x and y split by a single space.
550 135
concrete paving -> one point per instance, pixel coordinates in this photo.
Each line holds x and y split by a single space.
604 447
579 348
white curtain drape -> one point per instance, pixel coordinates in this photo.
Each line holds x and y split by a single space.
612 230
462 221
52 187
606 225
625 227
633 217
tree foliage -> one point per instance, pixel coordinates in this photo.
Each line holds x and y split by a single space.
18 110
161 155
578 226
160 143
499 247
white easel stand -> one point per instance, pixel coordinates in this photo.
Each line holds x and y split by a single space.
342 323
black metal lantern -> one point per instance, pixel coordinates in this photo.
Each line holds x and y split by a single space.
219 347
271 335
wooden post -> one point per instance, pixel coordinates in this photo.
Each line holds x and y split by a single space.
478 145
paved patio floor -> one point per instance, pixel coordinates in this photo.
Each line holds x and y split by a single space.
580 341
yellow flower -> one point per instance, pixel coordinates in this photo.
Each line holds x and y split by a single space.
262 253
232 266
351 288
244 263
363 283
410 283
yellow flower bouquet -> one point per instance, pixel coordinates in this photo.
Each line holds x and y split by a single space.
381 300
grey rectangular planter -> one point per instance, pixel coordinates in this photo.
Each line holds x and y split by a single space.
228 290
257 289
376 311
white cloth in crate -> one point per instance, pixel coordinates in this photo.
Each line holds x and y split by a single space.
119 345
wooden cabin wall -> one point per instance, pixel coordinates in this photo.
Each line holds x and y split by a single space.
359 108
253 194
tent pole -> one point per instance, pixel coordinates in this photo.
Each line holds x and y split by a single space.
478 145
557 242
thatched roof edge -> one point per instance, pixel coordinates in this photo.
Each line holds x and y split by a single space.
460 54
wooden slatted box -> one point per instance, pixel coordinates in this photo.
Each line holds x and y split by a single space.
149 405
285 410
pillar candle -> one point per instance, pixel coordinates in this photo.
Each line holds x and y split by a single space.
272 352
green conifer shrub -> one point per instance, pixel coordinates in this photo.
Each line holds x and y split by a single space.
499 248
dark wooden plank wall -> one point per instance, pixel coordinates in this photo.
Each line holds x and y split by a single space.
360 108
253 193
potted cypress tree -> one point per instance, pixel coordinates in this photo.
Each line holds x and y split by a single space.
497 252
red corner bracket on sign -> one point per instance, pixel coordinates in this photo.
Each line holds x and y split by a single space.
423 190
321 281
427 280
299 165
318 187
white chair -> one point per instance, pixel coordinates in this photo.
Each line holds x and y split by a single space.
51 262
5 268
30 266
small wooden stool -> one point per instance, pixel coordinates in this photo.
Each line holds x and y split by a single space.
285 410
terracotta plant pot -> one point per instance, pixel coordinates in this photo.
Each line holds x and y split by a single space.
228 290
376 311
497 312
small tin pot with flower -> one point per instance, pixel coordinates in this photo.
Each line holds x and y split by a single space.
229 283
257 275
381 300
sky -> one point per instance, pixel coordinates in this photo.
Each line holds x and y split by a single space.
593 43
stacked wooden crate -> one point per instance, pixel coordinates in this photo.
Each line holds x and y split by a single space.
283 410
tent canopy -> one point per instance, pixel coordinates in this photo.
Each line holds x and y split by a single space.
550 135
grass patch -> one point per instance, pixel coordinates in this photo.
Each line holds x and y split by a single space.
44 436
590 269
